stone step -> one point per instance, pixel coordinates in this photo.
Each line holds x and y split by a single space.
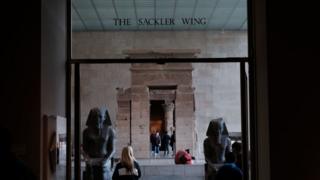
165 161
159 169
172 178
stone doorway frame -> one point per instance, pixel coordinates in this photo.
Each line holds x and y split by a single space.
151 81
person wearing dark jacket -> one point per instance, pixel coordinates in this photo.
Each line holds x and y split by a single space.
10 166
172 142
155 140
229 171
165 143
128 168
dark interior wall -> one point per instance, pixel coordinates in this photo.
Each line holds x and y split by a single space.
53 54
53 71
32 73
20 77
294 93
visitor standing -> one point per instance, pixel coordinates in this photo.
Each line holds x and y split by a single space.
155 140
157 144
165 143
173 142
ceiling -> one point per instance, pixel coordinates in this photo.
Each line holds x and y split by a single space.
100 15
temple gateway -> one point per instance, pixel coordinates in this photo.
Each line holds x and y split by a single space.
167 87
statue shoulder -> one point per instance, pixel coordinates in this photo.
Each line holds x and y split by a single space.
111 130
206 141
108 131
85 131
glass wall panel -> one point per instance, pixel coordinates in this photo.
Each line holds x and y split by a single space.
178 98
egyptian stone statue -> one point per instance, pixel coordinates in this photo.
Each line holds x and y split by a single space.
215 145
98 145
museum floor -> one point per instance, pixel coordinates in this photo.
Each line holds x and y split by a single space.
153 169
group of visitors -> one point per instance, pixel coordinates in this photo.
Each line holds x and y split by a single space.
162 142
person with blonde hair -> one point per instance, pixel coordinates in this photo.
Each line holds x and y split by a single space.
128 168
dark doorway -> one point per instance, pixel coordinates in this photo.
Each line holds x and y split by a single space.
157 122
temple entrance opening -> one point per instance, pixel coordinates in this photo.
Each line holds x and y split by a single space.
157 121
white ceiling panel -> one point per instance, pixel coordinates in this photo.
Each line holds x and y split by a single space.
123 4
164 13
82 4
186 3
106 13
144 3
93 25
88 14
165 3
203 12
102 3
145 13
99 15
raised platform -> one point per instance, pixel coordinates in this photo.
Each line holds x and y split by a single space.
165 161
158 169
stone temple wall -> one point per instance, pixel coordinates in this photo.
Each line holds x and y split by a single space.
217 94
98 83
112 44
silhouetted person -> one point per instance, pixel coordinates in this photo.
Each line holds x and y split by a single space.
10 167
172 142
237 150
229 171
165 143
155 143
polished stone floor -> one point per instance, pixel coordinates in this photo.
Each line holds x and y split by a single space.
155 168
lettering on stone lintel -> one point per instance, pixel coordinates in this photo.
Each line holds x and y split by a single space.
160 21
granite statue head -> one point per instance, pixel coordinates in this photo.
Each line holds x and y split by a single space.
217 128
107 120
95 118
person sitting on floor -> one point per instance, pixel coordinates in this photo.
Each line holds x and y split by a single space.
183 157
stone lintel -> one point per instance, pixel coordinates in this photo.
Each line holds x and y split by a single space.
139 89
123 94
185 89
167 97
123 104
147 67
159 94
161 53
123 117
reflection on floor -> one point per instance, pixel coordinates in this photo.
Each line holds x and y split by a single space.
61 167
